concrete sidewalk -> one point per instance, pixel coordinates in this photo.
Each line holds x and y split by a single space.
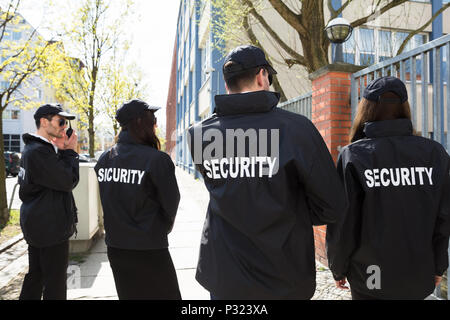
93 278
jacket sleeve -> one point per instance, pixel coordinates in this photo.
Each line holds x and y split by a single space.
442 227
163 177
58 172
342 236
324 191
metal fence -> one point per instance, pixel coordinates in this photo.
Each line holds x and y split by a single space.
426 81
301 105
426 72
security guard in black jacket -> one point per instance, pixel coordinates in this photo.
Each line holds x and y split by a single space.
140 197
48 215
393 241
270 178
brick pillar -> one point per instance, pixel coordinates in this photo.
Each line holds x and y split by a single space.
331 114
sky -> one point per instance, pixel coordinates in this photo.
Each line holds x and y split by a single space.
152 31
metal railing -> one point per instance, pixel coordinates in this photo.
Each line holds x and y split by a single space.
301 105
422 70
414 68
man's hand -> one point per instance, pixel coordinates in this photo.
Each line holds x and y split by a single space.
437 280
66 143
341 284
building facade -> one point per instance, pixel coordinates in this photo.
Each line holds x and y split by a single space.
197 73
199 60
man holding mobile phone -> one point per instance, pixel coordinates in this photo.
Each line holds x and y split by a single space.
48 215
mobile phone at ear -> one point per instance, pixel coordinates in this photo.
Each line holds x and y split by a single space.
69 131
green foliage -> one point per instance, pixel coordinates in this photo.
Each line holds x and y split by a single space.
229 26
119 84
92 33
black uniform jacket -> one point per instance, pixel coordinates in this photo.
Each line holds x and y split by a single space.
139 195
48 214
258 240
397 225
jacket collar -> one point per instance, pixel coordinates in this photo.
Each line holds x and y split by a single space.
28 138
250 102
386 128
31 137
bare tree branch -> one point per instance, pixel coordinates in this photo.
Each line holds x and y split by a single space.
274 35
377 13
335 13
414 32
291 17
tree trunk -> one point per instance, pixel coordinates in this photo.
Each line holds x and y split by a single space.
91 131
315 44
4 212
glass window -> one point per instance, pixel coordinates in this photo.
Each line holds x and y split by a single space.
202 63
206 61
12 142
191 87
444 63
398 41
17 35
4 85
367 50
349 49
11 114
385 45
193 25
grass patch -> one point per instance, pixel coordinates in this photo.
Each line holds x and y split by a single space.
12 228
78 258
14 218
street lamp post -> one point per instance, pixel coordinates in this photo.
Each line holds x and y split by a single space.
338 31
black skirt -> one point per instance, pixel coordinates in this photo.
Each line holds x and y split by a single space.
144 274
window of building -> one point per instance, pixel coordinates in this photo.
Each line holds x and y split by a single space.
444 63
385 45
349 49
206 61
11 114
12 142
17 35
193 25
360 49
367 48
4 85
191 87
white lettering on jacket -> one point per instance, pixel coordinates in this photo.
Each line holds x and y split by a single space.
242 167
398 177
119 175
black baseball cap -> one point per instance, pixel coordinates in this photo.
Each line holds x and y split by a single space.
245 57
133 109
382 85
52 109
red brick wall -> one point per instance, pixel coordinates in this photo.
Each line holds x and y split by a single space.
171 107
331 114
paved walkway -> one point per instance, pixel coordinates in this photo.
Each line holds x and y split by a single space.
93 276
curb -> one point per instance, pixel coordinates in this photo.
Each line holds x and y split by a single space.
8 244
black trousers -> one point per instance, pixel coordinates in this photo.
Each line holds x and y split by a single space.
144 274
47 273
